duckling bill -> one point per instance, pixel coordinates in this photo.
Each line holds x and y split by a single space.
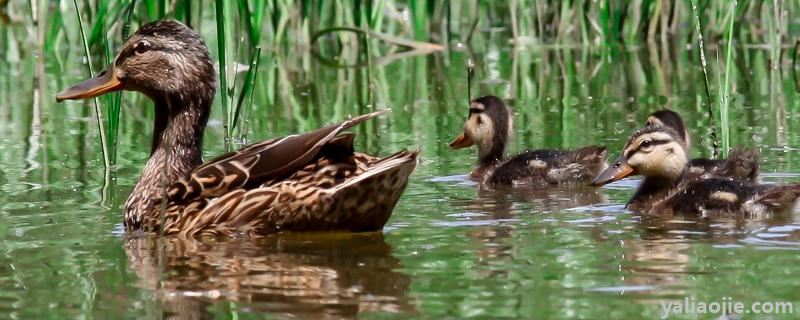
313 181
489 126
659 154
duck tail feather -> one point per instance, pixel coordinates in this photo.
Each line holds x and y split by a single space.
779 198
591 159
742 163
590 154
367 201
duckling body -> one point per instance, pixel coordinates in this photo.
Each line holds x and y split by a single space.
659 154
489 126
549 167
313 181
742 163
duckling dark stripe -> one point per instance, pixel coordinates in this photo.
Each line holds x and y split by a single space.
652 143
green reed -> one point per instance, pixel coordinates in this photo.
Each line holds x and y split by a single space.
709 106
247 92
98 113
284 28
222 13
794 65
726 85
115 103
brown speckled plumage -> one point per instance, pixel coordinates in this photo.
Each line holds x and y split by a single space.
313 181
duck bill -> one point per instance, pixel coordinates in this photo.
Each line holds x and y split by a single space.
618 171
461 142
105 82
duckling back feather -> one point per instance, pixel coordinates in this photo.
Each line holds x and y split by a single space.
549 166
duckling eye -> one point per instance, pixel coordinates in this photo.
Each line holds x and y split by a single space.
649 123
646 144
141 47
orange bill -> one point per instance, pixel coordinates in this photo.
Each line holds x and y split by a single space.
104 82
619 170
461 142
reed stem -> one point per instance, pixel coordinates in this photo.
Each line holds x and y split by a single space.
725 103
98 113
223 12
712 123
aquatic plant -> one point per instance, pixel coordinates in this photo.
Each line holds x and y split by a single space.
366 34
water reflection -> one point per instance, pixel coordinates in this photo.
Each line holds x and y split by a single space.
660 265
306 276
502 202
494 213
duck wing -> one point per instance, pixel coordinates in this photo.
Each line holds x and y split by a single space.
268 160
727 196
551 166
742 164
319 201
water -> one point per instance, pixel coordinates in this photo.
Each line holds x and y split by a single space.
452 248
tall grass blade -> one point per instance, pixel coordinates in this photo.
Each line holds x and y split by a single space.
222 13
794 65
712 123
112 108
249 86
115 99
470 74
725 96
98 113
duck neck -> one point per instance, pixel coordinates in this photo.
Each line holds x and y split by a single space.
492 154
651 188
176 149
178 129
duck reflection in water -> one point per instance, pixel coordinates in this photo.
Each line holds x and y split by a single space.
315 276
494 209
659 266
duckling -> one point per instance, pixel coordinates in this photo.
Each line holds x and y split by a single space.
659 154
742 163
489 126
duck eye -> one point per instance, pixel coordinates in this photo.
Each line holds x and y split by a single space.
646 144
141 47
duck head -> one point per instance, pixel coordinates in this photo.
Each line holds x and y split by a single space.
656 152
161 58
670 119
489 126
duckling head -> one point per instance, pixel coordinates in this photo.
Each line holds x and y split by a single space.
161 58
489 126
653 152
670 119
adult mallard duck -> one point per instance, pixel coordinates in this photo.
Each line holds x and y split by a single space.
660 155
742 163
489 125
305 182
